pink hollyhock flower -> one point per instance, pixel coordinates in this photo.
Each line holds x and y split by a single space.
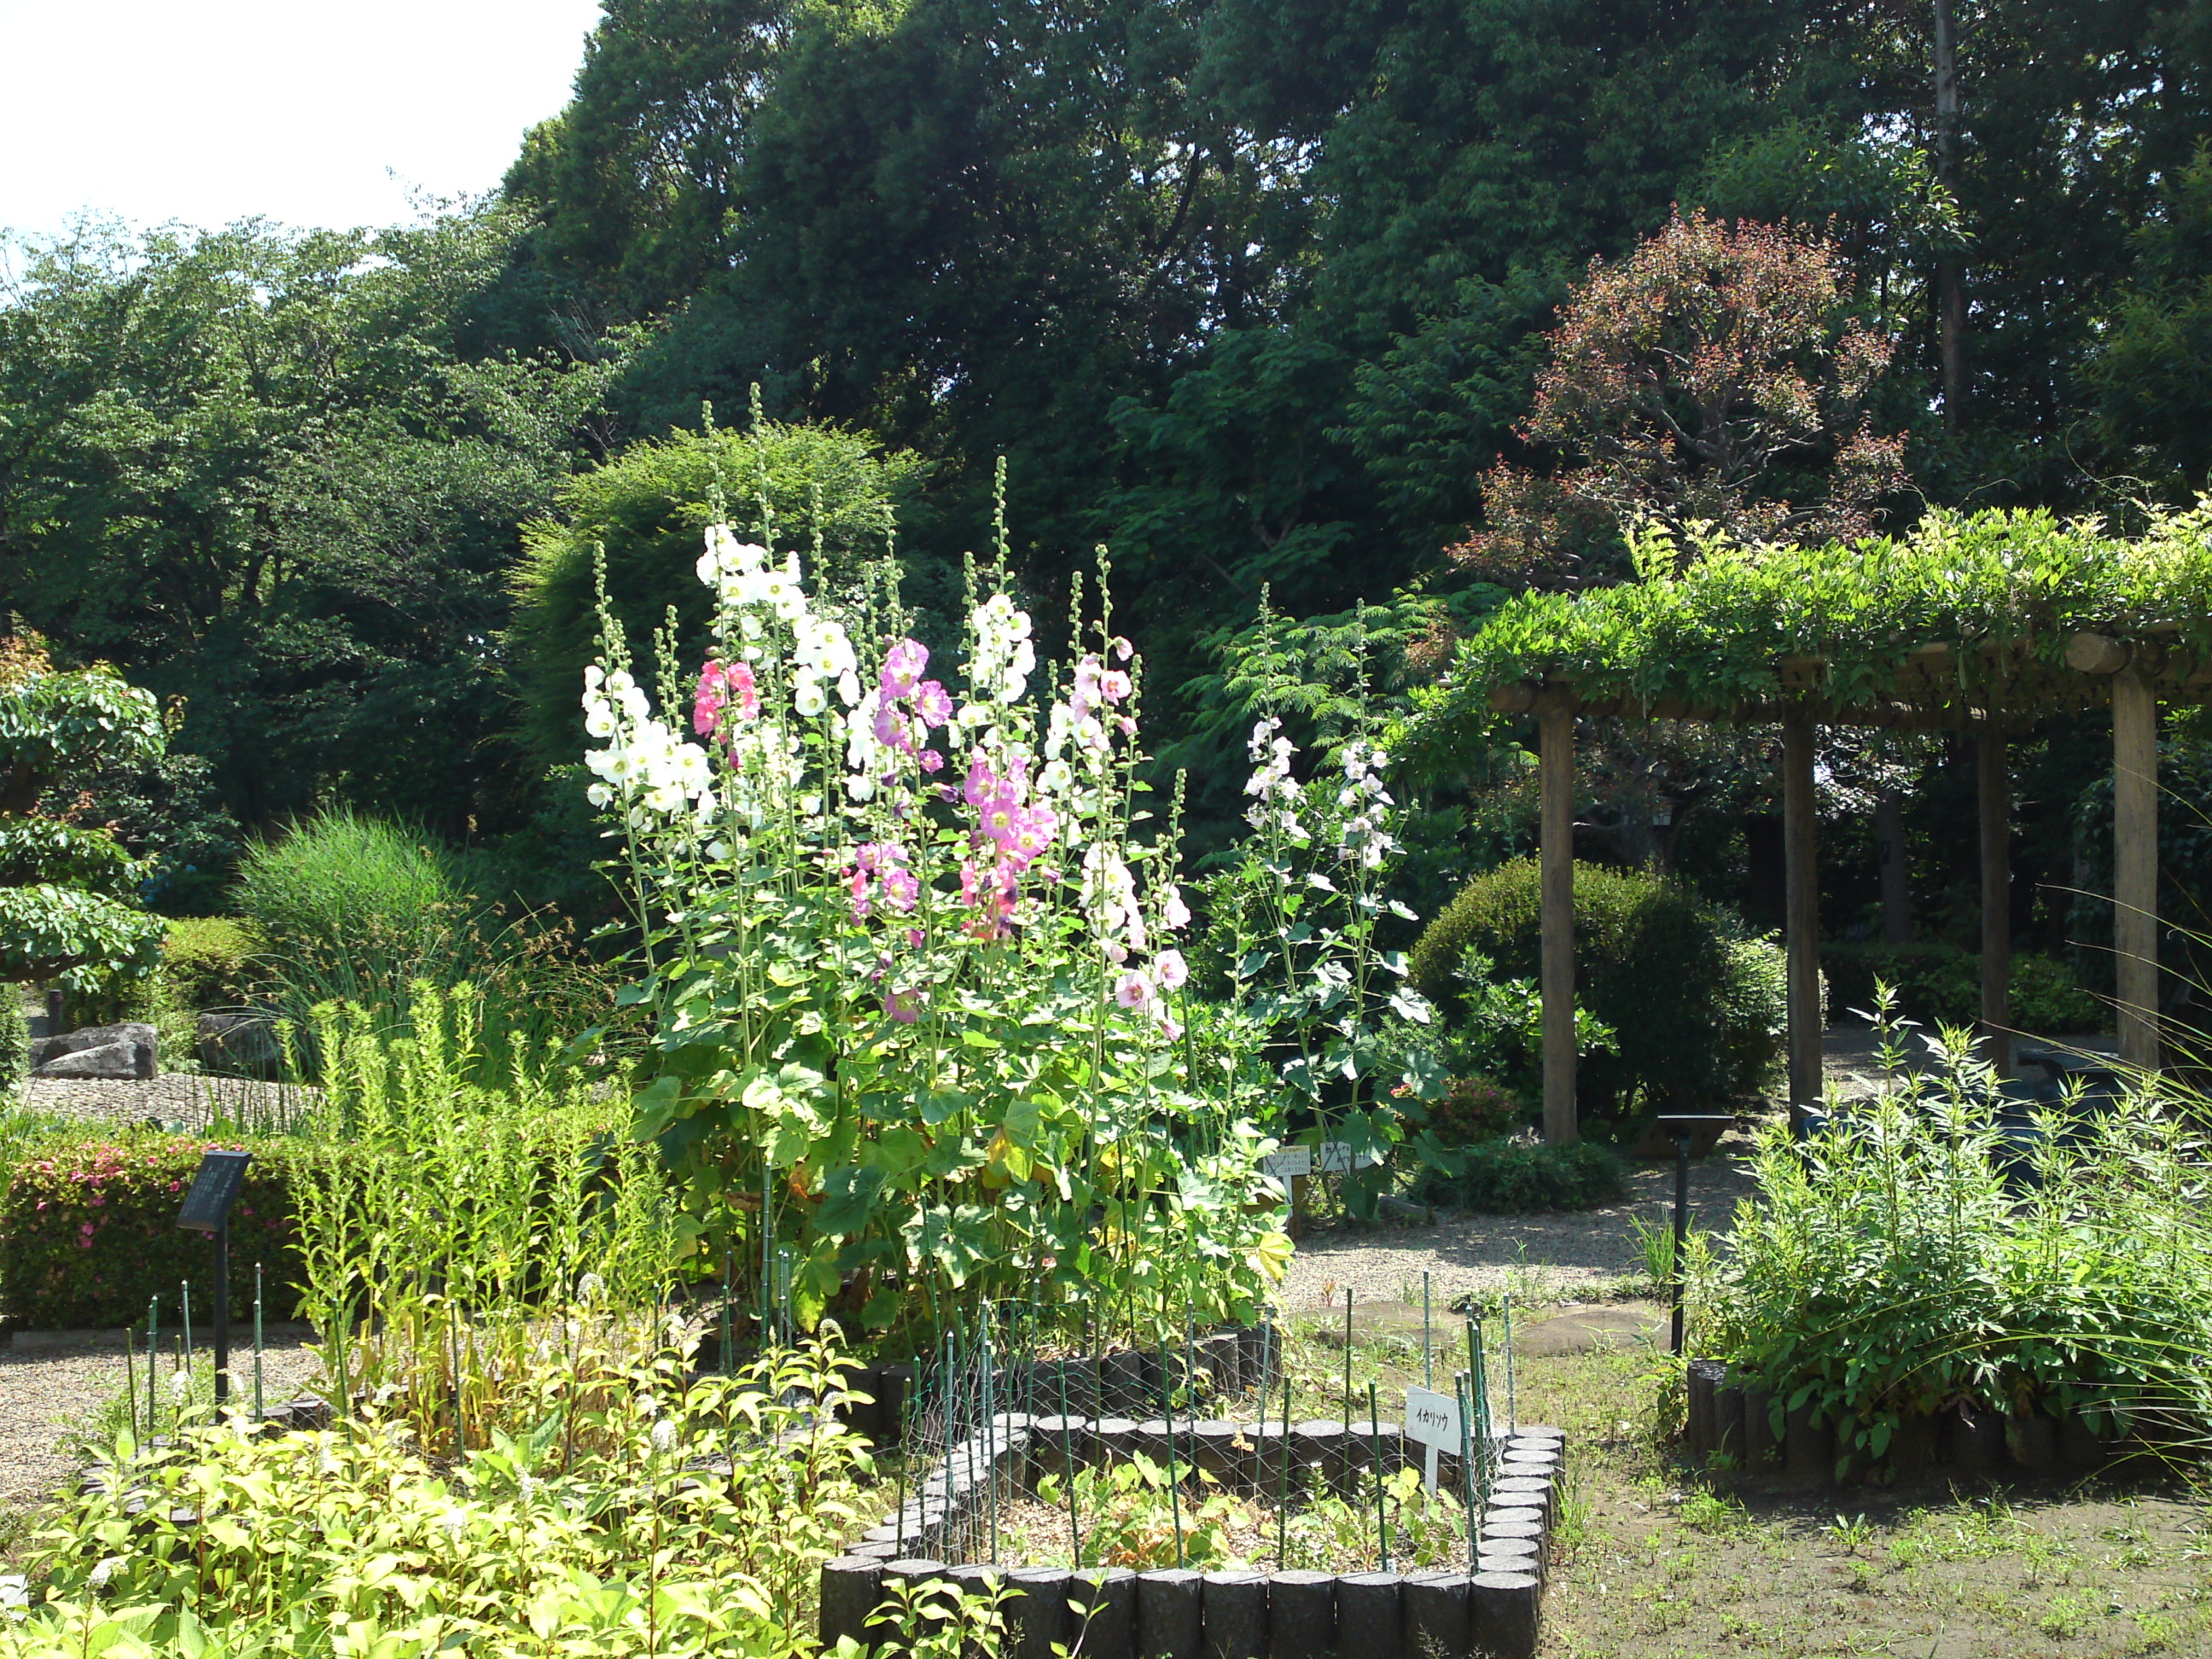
1174 913
903 889
723 685
1114 686
1133 990
914 938
1122 649
932 702
904 1006
1173 970
932 760
1033 833
902 667
982 782
891 730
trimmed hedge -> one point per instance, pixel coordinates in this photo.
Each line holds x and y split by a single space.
88 1232
1510 1176
208 961
1697 1010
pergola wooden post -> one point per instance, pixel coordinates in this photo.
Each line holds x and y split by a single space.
2134 865
1992 752
1556 784
1802 909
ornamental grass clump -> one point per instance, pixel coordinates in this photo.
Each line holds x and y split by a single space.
912 949
1917 1255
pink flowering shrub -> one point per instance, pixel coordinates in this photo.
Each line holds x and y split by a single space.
88 1232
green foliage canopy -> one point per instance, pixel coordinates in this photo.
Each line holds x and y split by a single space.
1713 631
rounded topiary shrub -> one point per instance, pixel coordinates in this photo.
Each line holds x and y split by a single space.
1696 1009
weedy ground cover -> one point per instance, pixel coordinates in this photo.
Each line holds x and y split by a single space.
1654 1561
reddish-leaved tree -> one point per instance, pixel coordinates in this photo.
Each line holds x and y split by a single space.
1716 374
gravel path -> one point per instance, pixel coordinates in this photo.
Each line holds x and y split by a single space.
171 1099
1546 1256
52 1380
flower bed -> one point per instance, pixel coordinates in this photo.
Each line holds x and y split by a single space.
1235 1610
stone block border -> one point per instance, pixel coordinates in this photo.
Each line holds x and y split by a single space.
1492 1612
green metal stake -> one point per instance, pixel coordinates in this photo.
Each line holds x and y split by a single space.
1175 1484
257 1342
1463 1390
153 1348
131 1376
1348 1364
1428 1379
1512 1411
1375 1463
185 1287
1282 1486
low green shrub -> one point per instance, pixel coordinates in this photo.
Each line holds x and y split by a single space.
1941 985
1695 1009
89 1230
1475 1109
1507 1177
208 962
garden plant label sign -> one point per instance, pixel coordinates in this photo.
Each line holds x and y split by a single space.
1432 1421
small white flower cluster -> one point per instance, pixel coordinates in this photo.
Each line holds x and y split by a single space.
1004 657
1274 793
644 762
750 591
1362 834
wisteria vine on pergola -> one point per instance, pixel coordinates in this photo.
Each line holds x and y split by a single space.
1982 622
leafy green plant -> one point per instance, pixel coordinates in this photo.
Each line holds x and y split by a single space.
14 1042
1914 1254
1300 917
643 1510
348 908
1133 1517
208 961
68 893
911 952
439 1219
1939 984
1693 1008
1475 1109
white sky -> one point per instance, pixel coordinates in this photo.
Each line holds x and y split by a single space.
208 111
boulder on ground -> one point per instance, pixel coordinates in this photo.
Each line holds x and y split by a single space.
69 1054
106 1060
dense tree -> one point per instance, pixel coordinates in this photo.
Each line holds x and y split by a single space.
255 470
1716 375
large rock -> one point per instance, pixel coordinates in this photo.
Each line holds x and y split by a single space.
242 1044
130 1050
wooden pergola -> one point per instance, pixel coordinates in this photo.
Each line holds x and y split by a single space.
1997 689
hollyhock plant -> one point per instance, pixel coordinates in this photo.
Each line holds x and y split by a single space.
879 999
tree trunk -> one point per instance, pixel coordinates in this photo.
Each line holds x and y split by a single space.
1950 289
